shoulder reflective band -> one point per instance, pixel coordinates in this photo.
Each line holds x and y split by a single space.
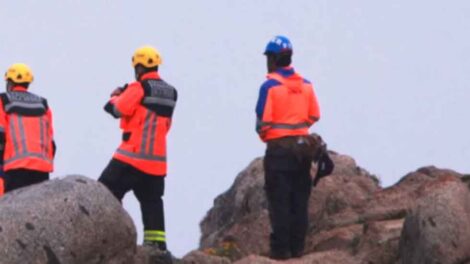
9 106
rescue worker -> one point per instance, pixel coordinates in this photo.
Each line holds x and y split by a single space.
27 144
145 108
286 108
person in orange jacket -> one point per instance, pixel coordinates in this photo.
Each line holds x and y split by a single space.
145 108
27 146
286 108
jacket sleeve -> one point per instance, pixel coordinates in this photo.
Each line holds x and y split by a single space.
170 119
110 108
3 128
263 111
314 108
51 131
126 103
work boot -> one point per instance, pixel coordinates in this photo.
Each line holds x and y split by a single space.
159 255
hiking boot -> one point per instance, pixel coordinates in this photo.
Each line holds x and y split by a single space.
159 255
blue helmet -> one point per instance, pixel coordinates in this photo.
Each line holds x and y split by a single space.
279 44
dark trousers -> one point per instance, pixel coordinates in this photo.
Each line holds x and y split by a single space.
288 185
121 177
18 178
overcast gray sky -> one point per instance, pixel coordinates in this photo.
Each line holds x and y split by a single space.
391 76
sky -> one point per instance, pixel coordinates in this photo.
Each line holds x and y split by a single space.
392 78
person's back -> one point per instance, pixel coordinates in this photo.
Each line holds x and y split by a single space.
145 109
26 133
290 106
151 102
286 108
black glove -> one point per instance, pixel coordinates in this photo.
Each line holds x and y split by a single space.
119 90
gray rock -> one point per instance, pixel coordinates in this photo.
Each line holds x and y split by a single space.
352 218
436 230
326 257
379 242
241 212
71 220
198 257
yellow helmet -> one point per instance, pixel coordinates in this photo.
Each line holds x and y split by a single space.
19 73
147 56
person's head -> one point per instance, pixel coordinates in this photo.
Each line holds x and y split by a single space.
145 59
278 53
18 74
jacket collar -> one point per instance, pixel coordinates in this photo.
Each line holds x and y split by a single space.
18 89
150 75
286 71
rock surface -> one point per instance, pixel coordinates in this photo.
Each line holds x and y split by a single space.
197 257
424 218
437 229
241 212
72 220
352 218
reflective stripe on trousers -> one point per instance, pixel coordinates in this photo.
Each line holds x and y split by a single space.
154 235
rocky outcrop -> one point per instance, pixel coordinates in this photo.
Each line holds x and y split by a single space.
73 220
352 218
422 219
242 213
436 230
327 257
196 257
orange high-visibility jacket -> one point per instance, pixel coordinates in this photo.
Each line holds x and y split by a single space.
145 108
287 105
26 122
2 186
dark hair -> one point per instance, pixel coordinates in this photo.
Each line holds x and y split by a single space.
25 85
151 69
282 59
146 69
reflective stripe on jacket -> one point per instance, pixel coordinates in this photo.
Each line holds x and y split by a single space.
145 109
287 105
26 121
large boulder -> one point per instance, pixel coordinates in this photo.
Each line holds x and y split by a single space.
243 207
352 218
326 257
70 220
436 230
394 202
241 212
